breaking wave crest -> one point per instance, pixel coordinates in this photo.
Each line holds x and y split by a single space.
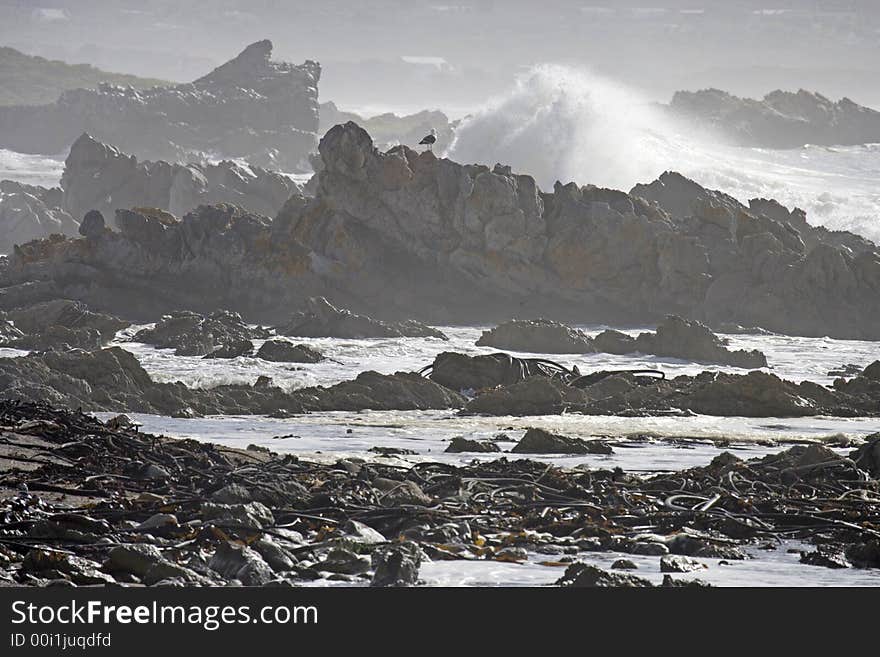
566 124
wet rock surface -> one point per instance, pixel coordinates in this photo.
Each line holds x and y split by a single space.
281 351
78 514
321 319
539 441
60 324
192 334
680 338
541 336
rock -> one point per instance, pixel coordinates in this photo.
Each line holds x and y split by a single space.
541 336
78 570
409 235
536 395
671 582
462 372
867 456
100 177
232 494
252 515
624 564
93 225
281 351
872 371
680 338
461 444
826 557
321 319
392 451
539 441
781 119
240 562
340 560
235 349
396 565
674 563
136 559
52 322
279 559
865 554
159 521
362 533
580 574
250 108
192 334
403 493
389 129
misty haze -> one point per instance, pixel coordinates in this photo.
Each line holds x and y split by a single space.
550 293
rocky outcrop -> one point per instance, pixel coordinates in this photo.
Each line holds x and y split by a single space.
281 351
781 119
60 324
756 394
192 334
321 319
251 107
680 338
540 441
28 212
112 380
99 177
541 336
403 234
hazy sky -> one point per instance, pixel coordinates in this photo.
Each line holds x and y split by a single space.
457 53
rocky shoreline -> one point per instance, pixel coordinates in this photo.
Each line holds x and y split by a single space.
86 502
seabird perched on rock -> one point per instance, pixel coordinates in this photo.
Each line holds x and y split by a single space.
428 140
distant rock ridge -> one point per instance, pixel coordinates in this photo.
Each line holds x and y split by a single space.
405 234
782 119
251 107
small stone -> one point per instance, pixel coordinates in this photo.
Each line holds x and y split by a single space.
624 564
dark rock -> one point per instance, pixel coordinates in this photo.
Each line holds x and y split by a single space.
872 371
624 564
670 582
321 319
396 565
581 574
192 334
340 560
281 351
542 336
865 554
867 456
403 493
539 441
93 225
392 451
235 349
251 515
680 338
240 562
461 444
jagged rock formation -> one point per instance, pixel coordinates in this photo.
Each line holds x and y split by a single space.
405 234
781 119
60 324
539 336
321 319
112 380
99 177
29 212
281 351
680 338
251 107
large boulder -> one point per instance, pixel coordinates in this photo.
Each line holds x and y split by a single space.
281 351
540 441
542 336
